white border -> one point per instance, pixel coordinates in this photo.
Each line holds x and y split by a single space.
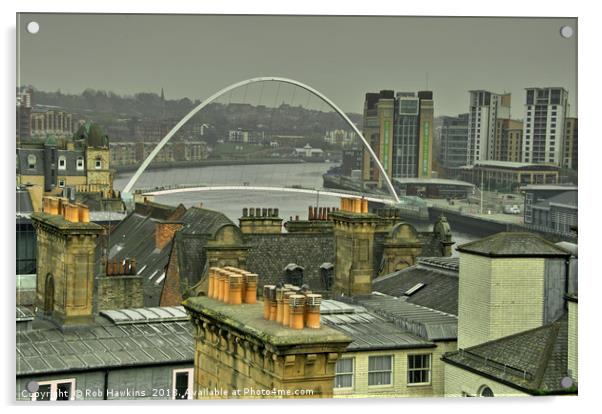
589 152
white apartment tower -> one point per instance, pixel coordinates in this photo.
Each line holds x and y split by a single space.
485 108
544 125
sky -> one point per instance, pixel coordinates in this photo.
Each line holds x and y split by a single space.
343 57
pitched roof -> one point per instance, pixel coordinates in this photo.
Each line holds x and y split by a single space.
438 277
513 244
49 350
271 253
533 361
134 237
567 198
369 331
426 323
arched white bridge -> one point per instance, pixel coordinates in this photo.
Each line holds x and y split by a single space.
168 191
128 188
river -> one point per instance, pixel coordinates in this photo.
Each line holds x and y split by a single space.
231 203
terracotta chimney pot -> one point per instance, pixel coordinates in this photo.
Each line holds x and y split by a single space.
266 301
250 280
297 309
312 307
235 289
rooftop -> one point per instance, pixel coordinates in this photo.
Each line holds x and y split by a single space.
248 319
534 361
46 349
423 322
432 283
513 244
566 199
439 181
510 165
369 331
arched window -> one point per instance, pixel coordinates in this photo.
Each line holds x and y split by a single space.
79 164
326 275
486 391
31 161
62 162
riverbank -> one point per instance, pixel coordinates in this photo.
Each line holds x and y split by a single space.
208 163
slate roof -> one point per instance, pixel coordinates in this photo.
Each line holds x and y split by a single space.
24 204
103 345
439 276
134 237
533 361
369 331
269 254
513 244
426 323
24 314
567 198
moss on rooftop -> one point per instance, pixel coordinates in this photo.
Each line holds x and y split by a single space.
249 319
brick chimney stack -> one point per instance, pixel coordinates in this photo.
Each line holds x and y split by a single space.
165 232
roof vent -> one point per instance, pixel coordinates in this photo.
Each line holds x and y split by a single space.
414 289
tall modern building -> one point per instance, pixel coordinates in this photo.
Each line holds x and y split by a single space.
544 125
453 139
570 144
400 131
508 140
485 108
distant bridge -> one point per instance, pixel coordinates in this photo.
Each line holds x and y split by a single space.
177 190
128 188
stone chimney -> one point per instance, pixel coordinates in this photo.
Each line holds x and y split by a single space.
354 230
165 231
120 287
256 220
66 249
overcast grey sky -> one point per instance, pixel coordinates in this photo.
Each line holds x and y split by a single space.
343 57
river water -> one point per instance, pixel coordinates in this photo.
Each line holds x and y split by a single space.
231 203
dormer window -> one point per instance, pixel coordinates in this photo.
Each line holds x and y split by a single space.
31 161
79 163
62 163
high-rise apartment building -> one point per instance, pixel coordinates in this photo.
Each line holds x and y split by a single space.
485 108
544 125
508 140
570 144
453 139
400 131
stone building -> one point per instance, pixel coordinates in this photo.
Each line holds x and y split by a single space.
238 354
512 319
396 349
90 336
81 163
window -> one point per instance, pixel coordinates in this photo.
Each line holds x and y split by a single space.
56 390
344 373
486 392
31 161
61 183
379 370
419 369
80 163
182 384
98 163
62 163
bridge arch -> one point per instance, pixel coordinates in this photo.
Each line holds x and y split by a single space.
227 89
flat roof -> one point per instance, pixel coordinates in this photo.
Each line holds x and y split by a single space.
439 181
248 318
507 164
543 187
